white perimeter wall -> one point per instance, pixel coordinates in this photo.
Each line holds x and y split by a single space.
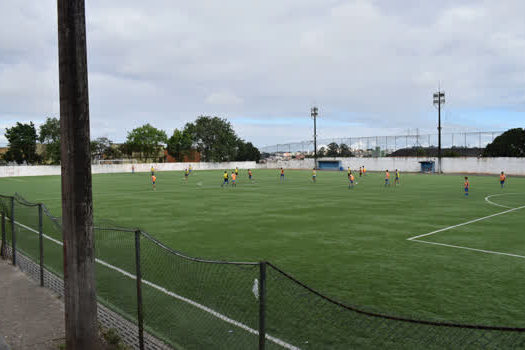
511 166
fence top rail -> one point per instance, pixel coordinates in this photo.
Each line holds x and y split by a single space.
396 318
172 251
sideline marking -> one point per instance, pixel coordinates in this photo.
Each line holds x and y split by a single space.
176 296
416 238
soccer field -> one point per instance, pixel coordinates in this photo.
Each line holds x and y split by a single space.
421 249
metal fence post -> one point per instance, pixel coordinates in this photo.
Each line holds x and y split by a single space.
13 235
3 247
262 305
41 243
140 317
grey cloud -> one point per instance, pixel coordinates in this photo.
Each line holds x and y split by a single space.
375 63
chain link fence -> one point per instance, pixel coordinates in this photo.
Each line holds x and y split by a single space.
159 298
380 146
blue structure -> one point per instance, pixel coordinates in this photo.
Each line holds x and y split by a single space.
329 164
428 166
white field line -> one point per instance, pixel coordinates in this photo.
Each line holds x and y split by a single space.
487 199
465 223
473 249
177 296
416 238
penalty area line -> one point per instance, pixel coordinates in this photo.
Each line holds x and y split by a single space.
465 223
176 296
473 249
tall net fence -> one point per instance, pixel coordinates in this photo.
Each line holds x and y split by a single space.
380 146
159 298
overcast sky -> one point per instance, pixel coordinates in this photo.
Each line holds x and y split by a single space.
370 66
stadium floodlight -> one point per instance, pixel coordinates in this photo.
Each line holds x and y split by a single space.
314 112
438 100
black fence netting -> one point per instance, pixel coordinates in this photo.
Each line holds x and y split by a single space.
310 320
192 303
195 304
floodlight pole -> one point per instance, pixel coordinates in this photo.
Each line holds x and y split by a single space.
77 202
314 113
439 98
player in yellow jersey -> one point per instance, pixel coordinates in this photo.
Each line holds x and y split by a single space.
186 174
225 179
502 178
190 168
364 170
314 175
236 171
154 182
152 170
397 181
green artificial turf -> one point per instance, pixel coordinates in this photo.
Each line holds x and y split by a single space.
349 244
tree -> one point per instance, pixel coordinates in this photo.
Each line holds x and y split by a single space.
509 144
50 137
147 140
247 151
333 150
103 147
321 152
22 143
214 138
344 151
180 143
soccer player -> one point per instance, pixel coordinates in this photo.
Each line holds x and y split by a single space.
154 182
360 171
397 177
133 169
236 171
225 177
190 168
502 179
364 170
234 178
152 170
314 175
387 178
351 178
349 171
282 175
186 174
250 175
467 186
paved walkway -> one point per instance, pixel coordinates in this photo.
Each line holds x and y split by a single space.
31 317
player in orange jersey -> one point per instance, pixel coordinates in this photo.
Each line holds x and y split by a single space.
387 178
154 182
502 178
351 178
466 184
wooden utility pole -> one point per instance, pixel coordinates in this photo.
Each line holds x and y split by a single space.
77 201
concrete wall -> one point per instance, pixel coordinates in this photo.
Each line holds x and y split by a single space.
39 170
511 166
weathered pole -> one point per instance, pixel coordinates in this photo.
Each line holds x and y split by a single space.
77 201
